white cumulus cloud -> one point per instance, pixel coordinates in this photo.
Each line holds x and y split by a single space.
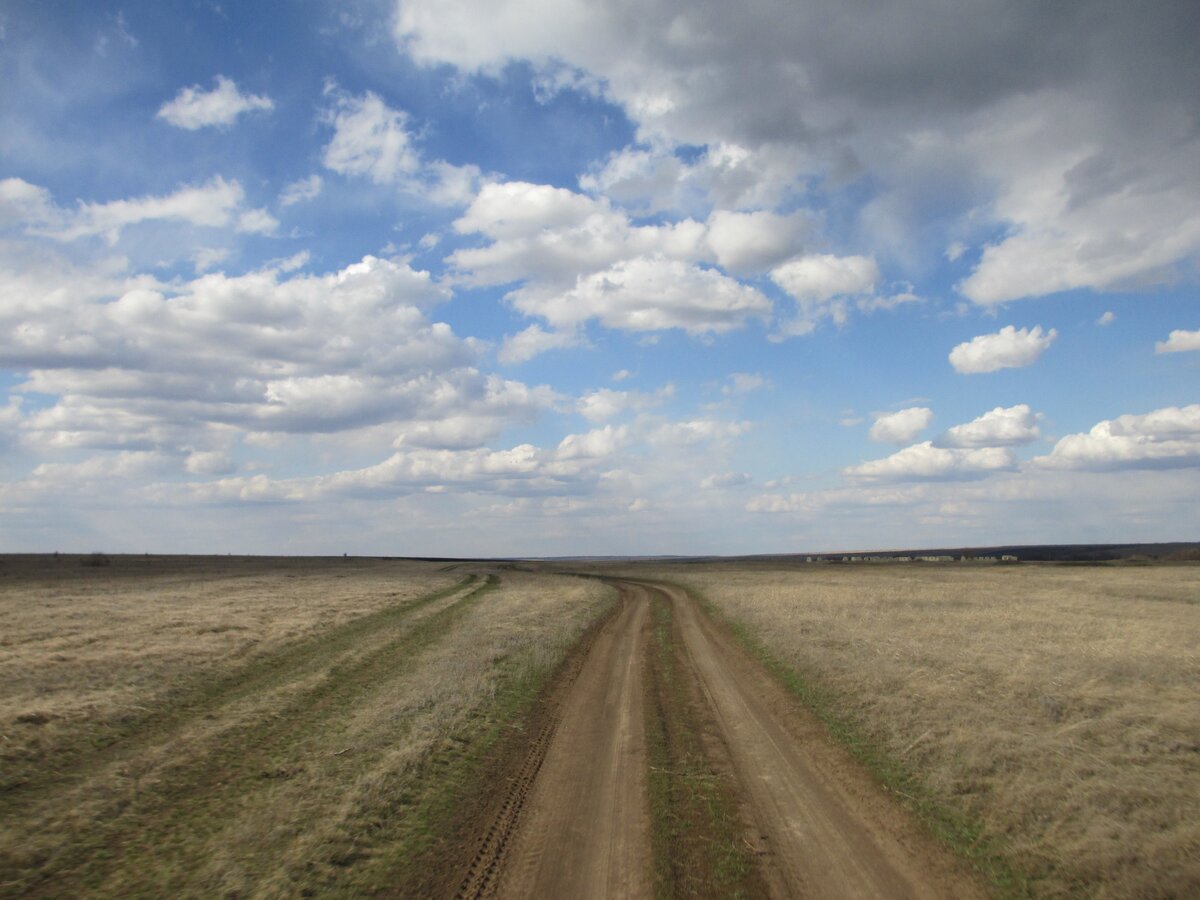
1075 142
551 236
695 431
925 462
821 284
606 403
649 294
577 258
1009 348
1164 438
748 242
144 366
257 221
533 341
823 277
1090 203
726 480
22 203
1179 341
1001 427
194 108
370 139
726 176
743 383
218 203
301 190
902 426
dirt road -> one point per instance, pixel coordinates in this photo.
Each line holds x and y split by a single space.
579 825
576 822
826 828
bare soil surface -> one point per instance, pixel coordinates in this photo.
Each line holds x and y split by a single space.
578 823
585 828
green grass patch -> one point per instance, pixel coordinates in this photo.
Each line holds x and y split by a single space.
663 823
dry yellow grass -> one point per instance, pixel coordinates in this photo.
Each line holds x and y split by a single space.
83 645
261 728
1059 705
252 728
271 847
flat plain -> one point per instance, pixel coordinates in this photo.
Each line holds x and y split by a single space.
1047 716
247 727
254 727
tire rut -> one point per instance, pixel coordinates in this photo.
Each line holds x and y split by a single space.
590 759
827 828
485 867
177 709
815 822
245 759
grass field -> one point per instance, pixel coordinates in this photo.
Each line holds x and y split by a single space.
1046 715
255 728
301 727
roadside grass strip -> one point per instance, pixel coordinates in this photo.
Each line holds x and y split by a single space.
699 850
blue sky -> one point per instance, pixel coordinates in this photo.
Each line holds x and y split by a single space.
518 278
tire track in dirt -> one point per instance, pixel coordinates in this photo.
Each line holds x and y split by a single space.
237 763
576 823
824 827
199 702
481 876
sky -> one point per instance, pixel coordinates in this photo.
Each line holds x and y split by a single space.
588 277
